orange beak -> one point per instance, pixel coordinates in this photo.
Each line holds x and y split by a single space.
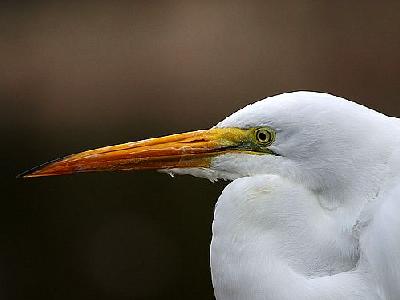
187 150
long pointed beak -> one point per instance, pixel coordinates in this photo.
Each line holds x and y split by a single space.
186 150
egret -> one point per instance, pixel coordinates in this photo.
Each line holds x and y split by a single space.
312 211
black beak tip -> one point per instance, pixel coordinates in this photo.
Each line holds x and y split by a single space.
27 173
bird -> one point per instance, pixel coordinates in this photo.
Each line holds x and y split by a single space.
311 210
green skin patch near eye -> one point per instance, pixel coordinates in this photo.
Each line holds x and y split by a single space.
252 140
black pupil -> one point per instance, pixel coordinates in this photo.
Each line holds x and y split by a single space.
262 136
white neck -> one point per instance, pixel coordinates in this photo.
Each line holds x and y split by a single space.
266 224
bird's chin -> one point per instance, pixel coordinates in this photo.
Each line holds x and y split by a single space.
229 166
210 174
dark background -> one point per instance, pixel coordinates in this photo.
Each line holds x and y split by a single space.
77 76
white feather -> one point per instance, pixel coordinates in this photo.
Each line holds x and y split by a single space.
320 221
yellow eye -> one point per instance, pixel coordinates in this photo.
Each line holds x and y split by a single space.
264 136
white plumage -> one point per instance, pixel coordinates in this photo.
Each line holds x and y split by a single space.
319 221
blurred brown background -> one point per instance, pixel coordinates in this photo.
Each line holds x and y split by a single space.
81 75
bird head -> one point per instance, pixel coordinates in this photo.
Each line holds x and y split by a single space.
317 139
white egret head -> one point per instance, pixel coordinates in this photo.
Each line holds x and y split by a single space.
329 144
317 139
